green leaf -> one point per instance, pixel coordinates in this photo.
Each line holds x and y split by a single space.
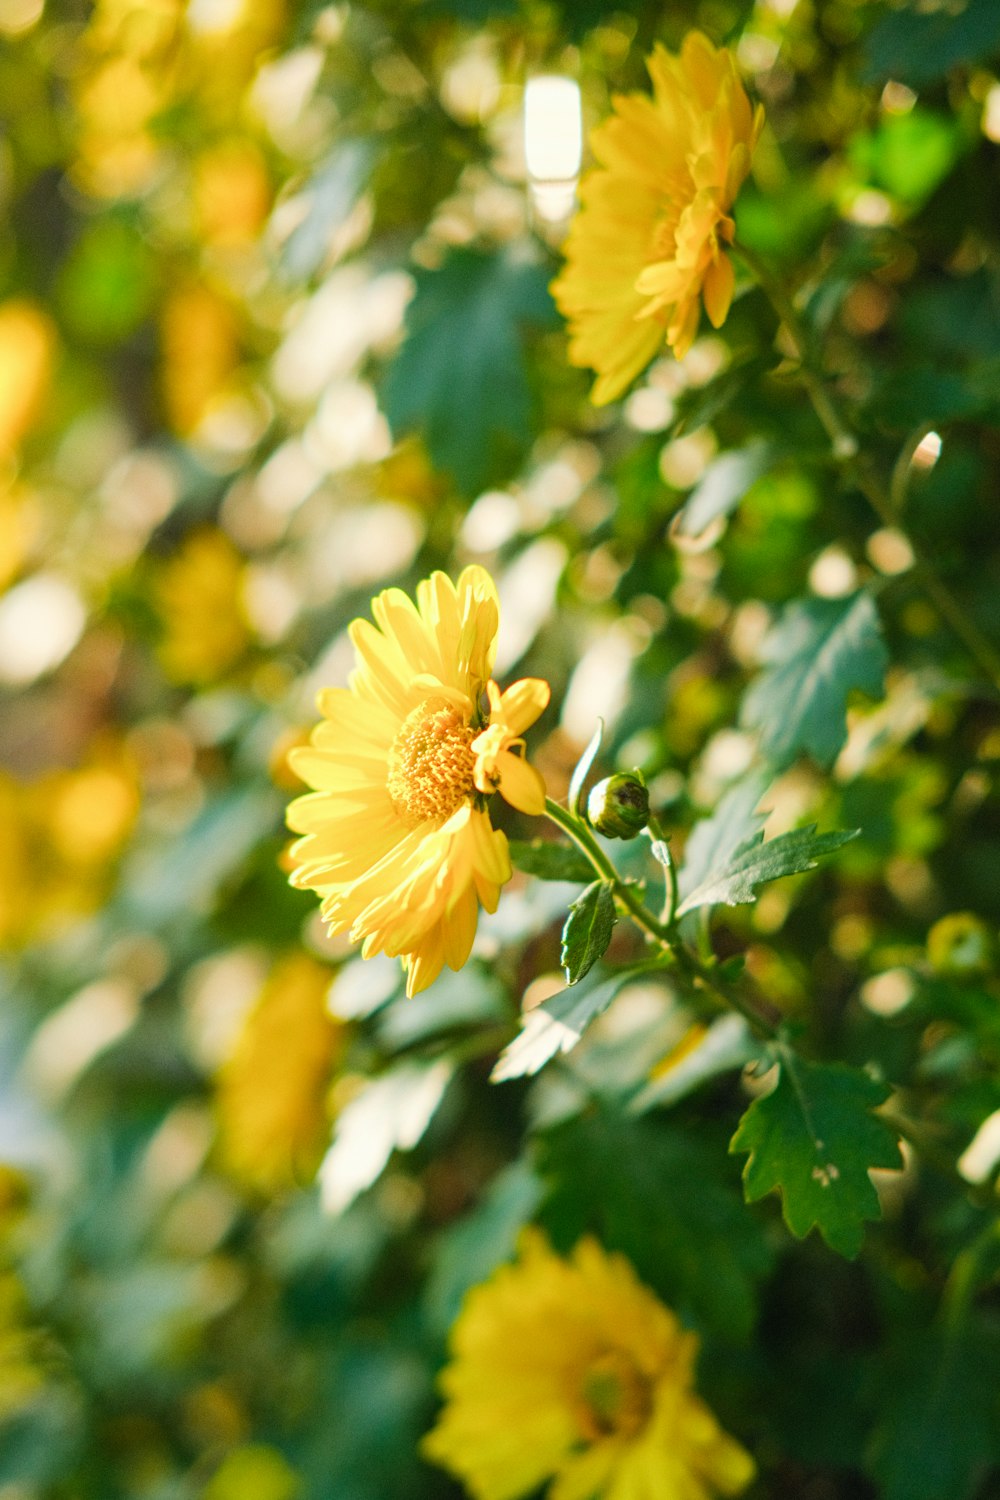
818 653
328 199
549 860
558 1024
814 1138
722 487
714 840
734 882
588 930
459 377
663 1196
908 155
582 769
940 1427
916 46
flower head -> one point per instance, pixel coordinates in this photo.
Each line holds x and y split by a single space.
398 841
570 1370
647 245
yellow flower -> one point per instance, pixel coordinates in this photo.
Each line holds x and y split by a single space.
647 242
198 594
570 1370
271 1100
398 841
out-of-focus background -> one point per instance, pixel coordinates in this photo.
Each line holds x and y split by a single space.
275 332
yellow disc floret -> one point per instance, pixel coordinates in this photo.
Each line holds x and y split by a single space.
431 764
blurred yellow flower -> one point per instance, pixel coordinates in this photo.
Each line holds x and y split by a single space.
200 342
571 1370
647 242
398 840
27 347
59 837
271 1100
198 594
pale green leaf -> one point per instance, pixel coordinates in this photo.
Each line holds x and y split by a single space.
820 651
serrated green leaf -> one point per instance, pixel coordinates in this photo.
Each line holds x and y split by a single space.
588 929
459 377
819 652
754 862
714 840
549 860
815 1139
582 769
557 1025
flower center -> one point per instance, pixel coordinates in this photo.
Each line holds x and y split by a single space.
431 764
614 1398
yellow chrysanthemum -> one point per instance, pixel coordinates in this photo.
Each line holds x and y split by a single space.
398 841
647 242
571 1370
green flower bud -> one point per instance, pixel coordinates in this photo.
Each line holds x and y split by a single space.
618 807
961 946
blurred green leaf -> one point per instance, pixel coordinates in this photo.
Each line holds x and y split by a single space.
330 196
819 651
108 283
915 45
390 1113
815 1139
459 377
938 1431
548 860
722 486
908 154
661 1196
588 930
472 1249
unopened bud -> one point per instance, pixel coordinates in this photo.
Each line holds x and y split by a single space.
961 946
618 807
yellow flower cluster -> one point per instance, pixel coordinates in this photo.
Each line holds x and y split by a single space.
571 1371
398 841
646 247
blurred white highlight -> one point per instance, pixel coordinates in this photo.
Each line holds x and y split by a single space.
40 622
553 143
927 451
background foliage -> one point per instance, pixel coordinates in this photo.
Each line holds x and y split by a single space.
274 332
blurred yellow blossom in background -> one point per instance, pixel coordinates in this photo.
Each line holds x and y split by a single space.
647 245
27 347
198 594
271 1100
60 834
570 1369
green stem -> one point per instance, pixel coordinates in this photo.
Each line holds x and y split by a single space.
656 836
765 1019
845 451
584 840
